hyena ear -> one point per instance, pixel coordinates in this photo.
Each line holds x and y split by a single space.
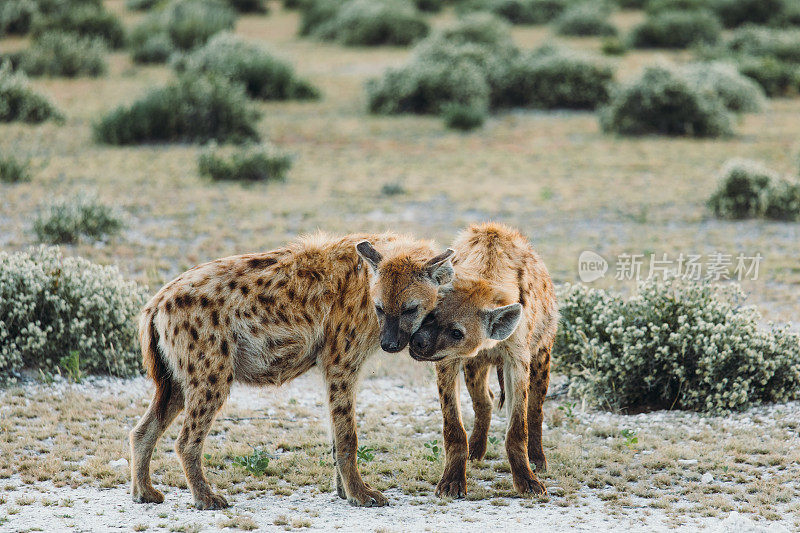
500 323
369 254
440 268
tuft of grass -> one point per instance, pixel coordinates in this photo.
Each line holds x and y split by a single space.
13 170
249 164
71 364
66 220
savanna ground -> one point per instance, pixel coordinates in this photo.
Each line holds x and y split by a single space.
554 175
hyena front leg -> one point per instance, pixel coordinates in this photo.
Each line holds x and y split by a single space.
204 397
517 373
339 484
166 405
476 376
342 396
454 479
540 379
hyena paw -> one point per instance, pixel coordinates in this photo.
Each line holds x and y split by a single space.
340 487
452 486
529 485
210 501
147 495
367 497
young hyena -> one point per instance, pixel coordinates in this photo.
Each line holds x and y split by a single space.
266 318
500 310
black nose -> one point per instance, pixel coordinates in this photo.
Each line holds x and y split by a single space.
418 343
390 346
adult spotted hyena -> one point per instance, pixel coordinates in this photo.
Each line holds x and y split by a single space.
500 310
266 318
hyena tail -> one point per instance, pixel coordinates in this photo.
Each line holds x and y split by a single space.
501 381
154 362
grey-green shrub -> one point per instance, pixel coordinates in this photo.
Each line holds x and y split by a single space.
64 54
676 29
16 16
657 6
51 305
738 12
662 101
249 6
13 170
613 46
585 19
518 11
374 22
195 108
84 19
67 220
464 118
776 77
753 41
263 75
675 344
429 6
182 25
478 28
141 5
553 78
737 92
315 13
747 189
19 102
248 164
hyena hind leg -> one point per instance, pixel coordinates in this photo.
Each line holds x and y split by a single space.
162 411
202 404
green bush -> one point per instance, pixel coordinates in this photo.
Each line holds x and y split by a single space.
783 45
253 163
374 22
429 6
192 109
478 28
632 4
585 19
51 305
16 16
737 92
263 75
249 6
657 6
18 102
552 78
735 13
662 101
747 189
13 171
142 5
181 25
66 220
316 13
777 78
676 344
676 29
64 54
520 11
613 46
463 117
85 19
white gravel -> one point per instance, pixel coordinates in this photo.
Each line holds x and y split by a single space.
93 509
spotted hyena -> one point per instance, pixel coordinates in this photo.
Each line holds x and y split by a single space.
266 318
500 310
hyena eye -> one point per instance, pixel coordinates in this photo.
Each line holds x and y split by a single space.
410 311
379 310
456 334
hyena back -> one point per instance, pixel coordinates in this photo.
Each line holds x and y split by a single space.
267 318
500 310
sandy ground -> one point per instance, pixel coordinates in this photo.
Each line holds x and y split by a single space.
48 508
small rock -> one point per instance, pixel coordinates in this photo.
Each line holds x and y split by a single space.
707 478
555 491
687 462
119 463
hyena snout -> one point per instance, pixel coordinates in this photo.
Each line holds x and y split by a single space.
393 337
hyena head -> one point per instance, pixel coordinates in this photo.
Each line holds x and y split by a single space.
469 317
404 287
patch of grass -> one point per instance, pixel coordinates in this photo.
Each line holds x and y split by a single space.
249 164
66 220
12 170
195 108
